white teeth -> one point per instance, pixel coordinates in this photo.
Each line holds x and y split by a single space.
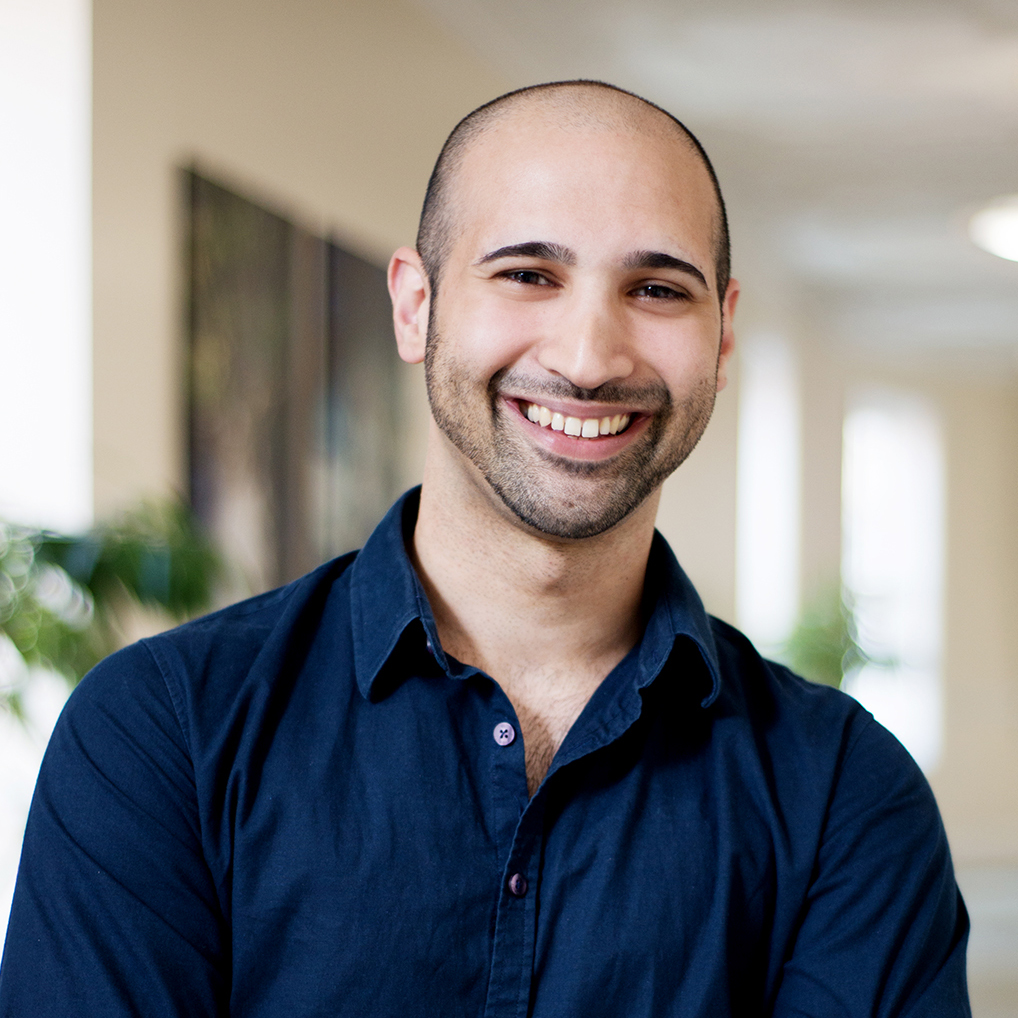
577 427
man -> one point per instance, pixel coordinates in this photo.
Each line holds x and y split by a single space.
501 762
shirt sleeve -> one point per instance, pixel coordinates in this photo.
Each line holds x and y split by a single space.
115 912
884 928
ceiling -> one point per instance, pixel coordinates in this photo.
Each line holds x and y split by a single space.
852 141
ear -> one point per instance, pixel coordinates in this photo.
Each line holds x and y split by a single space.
411 301
727 333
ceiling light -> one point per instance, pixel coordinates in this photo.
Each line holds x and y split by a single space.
995 228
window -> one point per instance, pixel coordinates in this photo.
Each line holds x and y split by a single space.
768 513
893 562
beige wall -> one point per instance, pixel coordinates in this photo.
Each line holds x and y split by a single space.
697 511
333 109
977 781
822 381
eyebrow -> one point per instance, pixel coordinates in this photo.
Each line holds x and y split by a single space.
660 260
532 249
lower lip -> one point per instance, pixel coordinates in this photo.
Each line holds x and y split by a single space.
571 447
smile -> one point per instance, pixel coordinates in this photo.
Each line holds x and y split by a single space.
577 427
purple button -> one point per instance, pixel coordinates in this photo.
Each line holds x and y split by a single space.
504 733
427 643
517 885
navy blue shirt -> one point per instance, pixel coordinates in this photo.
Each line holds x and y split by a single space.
301 806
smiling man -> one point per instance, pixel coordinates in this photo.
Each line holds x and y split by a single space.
500 762
570 300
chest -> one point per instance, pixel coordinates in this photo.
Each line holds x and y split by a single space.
547 705
409 872
544 723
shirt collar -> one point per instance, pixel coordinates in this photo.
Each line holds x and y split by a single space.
387 598
676 614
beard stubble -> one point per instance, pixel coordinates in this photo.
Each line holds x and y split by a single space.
559 497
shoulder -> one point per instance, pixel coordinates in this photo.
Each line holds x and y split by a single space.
195 670
772 696
230 640
824 754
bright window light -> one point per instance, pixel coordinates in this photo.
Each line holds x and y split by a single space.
45 263
45 334
893 562
767 513
995 228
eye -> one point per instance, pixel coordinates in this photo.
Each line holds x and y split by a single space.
528 277
658 291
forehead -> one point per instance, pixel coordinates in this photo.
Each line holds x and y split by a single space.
612 186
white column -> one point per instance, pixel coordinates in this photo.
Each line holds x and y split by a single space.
45 334
769 482
893 533
45 263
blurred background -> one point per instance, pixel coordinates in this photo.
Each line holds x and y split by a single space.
199 396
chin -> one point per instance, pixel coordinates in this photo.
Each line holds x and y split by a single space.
581 510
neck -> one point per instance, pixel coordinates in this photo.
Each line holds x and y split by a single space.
568 609
546 618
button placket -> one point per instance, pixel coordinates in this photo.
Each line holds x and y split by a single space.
519 825
508 787
515 924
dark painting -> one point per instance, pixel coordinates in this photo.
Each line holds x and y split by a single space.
293 385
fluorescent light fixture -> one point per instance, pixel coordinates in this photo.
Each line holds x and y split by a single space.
995 228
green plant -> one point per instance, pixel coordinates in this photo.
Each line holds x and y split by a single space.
824 645
61 597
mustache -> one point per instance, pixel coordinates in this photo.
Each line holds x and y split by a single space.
652 397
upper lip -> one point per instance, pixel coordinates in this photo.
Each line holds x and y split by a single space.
578 409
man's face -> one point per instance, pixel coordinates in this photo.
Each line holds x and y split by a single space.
573 346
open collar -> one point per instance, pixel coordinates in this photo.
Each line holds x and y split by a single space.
387 598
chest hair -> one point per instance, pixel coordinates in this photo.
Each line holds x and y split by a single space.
545 719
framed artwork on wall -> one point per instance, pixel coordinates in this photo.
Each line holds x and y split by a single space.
293 390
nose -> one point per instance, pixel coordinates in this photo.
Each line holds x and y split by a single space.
587 344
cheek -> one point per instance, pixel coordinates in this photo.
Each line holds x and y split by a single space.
683 357
496 334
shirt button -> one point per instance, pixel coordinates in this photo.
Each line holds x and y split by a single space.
504 733
517 885
427 643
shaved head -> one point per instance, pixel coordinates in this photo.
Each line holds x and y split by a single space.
570 105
